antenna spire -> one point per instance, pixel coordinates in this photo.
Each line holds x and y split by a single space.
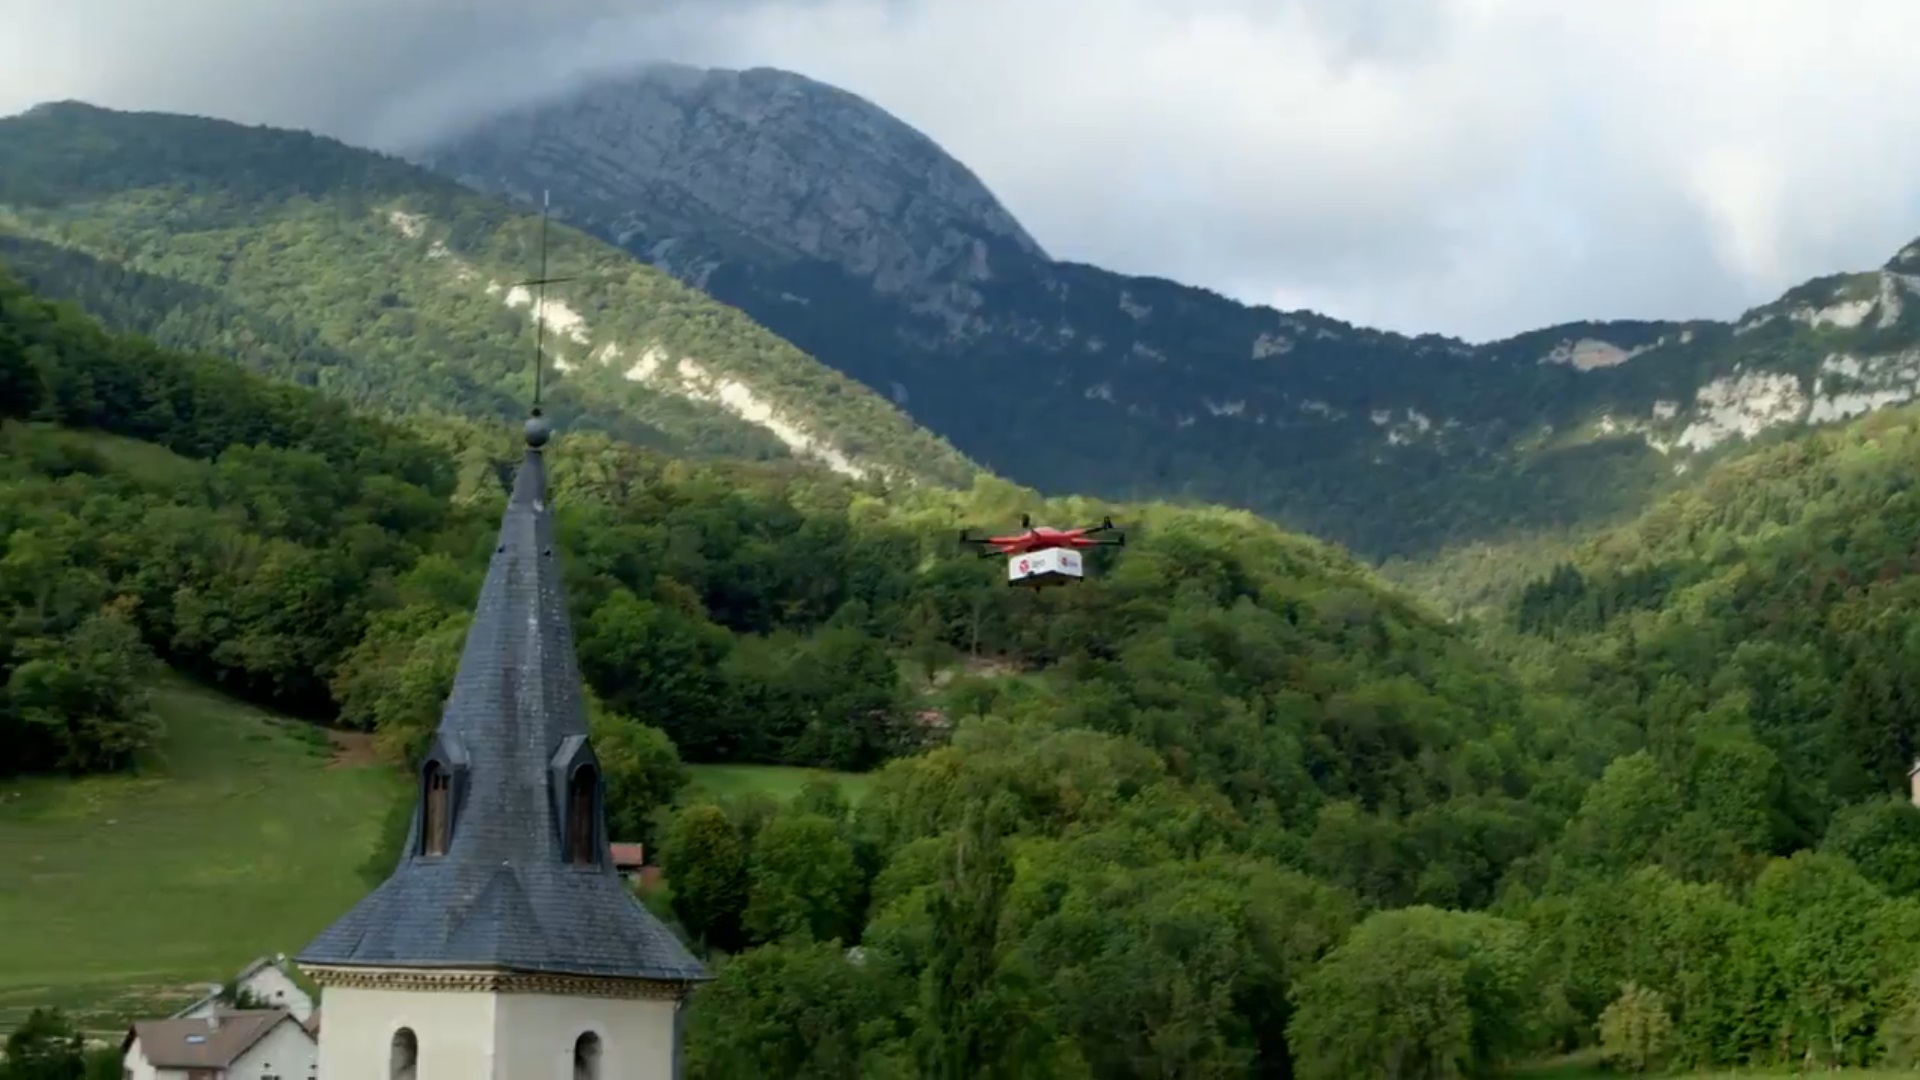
539 285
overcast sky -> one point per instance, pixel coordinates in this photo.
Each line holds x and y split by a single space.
1476 167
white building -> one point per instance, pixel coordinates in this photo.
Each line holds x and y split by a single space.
250 1044
505 946
267 981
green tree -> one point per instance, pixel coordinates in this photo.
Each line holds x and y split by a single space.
797 1009
705 864
1900 1031
396 680
803 881
961 1033
659 664
643 774
1636 1032
1418 993
1821 924
82 696
46 1046
1882 838
1624 815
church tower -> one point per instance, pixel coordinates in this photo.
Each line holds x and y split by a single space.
504 946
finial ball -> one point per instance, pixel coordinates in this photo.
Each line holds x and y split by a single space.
538 432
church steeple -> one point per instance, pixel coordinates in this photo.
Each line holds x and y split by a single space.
506 864
504 945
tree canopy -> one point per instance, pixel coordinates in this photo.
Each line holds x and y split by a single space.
1230 807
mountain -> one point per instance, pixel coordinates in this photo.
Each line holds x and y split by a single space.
854 236
376 280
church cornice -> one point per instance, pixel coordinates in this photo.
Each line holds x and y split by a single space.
494 982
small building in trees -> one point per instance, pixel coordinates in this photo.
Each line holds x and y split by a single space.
628 859
506 945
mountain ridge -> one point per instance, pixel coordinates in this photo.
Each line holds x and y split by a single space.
1062 376
1065 376
916 180
392 285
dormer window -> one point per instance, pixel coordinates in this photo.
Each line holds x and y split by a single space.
436 828
443 778
573 778
581 788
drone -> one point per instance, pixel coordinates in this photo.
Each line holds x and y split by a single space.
1043 555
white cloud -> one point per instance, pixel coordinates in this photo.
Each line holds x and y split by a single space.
1471 166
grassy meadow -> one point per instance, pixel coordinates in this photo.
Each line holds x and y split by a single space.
123 895
120 893
780 781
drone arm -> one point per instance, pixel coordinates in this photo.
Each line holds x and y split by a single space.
967 538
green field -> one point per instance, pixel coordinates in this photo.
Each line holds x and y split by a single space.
121 895
119 892
780 781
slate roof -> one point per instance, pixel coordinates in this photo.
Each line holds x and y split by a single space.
195 1044
502 897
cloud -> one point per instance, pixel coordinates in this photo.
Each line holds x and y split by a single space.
1477 167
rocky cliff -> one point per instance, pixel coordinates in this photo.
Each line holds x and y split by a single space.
694 167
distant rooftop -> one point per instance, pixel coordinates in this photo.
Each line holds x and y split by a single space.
199 1043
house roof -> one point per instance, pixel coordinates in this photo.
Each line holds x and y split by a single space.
248 972
502 897
177 1043
627 854
212 995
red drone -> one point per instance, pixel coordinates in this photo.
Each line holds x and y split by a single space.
1043 555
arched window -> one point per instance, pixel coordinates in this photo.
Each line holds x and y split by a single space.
437 826
580 792
404 1059
586 1057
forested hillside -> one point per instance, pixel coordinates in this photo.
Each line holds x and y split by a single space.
1229 808
378 282
324 564
1778 594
